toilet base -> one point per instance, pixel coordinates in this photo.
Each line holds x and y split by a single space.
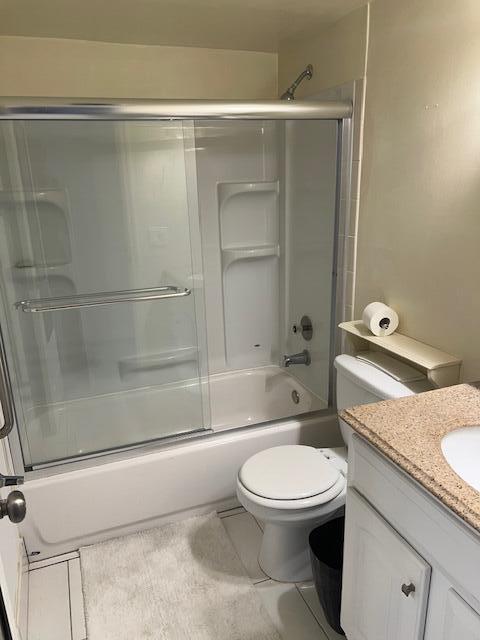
285 554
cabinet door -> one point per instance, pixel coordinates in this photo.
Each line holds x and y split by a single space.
460 621
385 582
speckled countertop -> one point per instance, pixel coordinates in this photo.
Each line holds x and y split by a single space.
409 431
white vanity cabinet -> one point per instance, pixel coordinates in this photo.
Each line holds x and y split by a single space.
385 581
411 568
460 620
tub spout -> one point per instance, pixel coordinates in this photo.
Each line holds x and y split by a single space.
297 358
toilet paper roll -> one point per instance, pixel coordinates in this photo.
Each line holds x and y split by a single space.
380 319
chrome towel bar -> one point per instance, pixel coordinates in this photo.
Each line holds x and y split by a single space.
42 305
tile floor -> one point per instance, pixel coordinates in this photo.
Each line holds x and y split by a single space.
56 600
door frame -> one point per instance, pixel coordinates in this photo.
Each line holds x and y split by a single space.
5 628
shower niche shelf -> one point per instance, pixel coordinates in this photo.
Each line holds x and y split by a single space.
248 213
45 214
228 190
249 244
183 358
233 254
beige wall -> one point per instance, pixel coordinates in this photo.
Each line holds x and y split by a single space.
419 226
76 68
337 54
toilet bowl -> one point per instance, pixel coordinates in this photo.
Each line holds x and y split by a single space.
291 489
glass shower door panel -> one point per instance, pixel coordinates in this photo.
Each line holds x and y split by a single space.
100 217
310 211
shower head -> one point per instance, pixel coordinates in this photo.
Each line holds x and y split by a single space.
290 92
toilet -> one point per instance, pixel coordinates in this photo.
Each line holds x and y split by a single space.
292 489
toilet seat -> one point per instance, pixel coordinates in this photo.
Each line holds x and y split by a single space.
290 477
302 504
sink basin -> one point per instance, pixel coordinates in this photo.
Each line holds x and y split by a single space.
461 449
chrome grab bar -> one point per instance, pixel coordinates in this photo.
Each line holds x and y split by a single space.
42 305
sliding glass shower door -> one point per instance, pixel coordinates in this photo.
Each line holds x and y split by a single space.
101 284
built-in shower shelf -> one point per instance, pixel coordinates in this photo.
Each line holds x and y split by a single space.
227 190
162 360
248 216
28 266
248 253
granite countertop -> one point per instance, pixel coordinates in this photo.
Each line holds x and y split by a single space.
409 431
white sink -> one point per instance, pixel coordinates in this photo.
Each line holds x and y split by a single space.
461 449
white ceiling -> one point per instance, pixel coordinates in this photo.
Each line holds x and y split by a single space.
255 25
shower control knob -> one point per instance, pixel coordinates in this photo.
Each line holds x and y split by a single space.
15 507
305 328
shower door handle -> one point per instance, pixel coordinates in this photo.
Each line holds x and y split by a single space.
6 397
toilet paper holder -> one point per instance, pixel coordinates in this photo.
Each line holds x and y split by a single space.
441 368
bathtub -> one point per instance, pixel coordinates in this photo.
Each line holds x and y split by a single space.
93 500
253 396
60 431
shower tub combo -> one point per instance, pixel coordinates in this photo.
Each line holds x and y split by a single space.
168 302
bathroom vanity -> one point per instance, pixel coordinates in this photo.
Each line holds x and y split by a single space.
412 537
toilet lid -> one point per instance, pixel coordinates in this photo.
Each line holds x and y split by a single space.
290 472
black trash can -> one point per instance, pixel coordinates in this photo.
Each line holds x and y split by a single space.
326 552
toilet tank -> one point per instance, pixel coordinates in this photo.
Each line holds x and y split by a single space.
372 376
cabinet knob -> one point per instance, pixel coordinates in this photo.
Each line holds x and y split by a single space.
407 589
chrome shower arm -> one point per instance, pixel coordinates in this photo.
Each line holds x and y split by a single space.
290 92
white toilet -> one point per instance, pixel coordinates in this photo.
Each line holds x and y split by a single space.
294 488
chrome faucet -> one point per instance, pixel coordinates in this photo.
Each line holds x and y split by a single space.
297 358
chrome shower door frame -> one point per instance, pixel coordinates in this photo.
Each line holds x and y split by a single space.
18 109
